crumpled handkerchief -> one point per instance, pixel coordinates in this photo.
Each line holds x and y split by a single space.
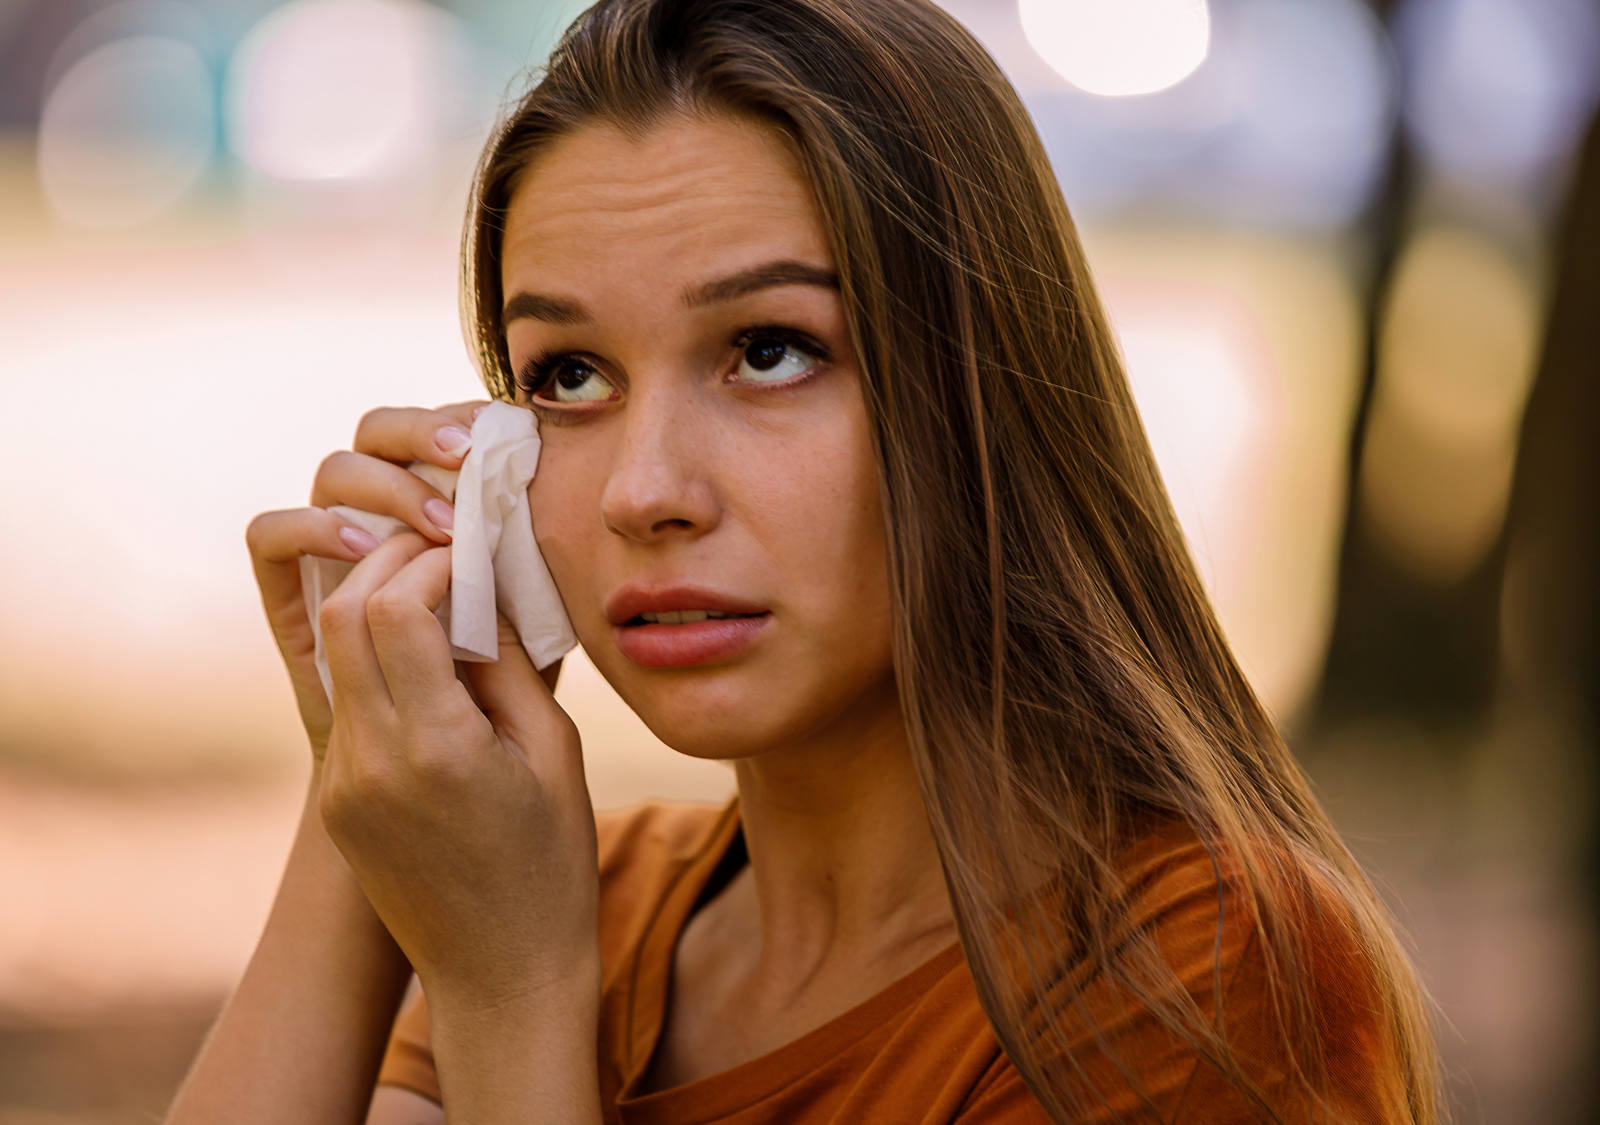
494 560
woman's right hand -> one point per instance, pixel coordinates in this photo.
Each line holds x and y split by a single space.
372 476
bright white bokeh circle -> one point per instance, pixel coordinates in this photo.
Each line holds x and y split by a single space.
347 89
126 132
1119 47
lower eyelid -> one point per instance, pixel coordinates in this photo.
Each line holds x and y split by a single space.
557 415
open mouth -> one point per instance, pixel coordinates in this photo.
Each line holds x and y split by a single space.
686 617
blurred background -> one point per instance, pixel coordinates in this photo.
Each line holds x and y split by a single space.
1351 250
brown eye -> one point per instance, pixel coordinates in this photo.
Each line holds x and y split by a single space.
774 359
564 378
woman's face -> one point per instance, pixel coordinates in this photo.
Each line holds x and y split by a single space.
672 313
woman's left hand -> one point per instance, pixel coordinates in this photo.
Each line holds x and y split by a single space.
460 803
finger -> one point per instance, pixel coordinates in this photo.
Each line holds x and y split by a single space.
358 683
518 703
510 642
279 538
277 541
413 433
511 693
466 411
375 485
410 644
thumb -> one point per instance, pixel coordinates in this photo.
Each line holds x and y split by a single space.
509 689
521 707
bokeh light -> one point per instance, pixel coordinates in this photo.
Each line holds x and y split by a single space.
1130 47
126 132
1497 88
1456 359
1244 357
1286 122
349 89
1314 89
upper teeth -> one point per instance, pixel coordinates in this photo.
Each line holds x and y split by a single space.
685 616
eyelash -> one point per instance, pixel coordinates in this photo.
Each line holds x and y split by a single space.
539 370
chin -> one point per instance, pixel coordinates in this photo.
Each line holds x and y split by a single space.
716 713
705 720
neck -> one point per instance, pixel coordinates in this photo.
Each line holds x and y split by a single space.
843 874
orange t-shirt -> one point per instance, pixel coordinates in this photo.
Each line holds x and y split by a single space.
922 1051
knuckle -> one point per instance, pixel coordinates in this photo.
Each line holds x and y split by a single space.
370 419
256 530
386 608
330 464
336 614
349 797
436 766
370 781
335 804
263 528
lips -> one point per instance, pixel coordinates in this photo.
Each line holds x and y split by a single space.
682 646
628 602
663 645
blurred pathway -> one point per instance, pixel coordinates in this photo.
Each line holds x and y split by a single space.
119 897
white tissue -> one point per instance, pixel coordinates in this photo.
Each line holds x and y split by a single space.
494 560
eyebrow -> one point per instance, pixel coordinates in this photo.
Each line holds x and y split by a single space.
557 310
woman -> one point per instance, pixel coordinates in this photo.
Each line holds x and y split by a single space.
812 344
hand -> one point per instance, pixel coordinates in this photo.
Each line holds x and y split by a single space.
370 476
459 803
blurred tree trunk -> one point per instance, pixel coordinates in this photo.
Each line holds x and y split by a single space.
1403 645
1435 654
1554 525
1406 646
1400 643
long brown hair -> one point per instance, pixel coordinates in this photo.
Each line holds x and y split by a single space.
1064 680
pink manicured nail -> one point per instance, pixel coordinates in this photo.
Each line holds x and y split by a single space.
440 514
453 440
361 542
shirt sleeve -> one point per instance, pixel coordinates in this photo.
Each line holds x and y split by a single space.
1365 1084
1122 1064
1117 1061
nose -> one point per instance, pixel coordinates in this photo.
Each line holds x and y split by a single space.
659 486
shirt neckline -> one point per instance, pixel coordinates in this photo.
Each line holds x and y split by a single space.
749 1082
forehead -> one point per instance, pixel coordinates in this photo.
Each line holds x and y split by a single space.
689 195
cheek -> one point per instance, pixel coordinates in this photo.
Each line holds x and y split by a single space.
832 524
563 518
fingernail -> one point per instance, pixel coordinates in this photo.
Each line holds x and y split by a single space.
453 440
357 540
440 514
